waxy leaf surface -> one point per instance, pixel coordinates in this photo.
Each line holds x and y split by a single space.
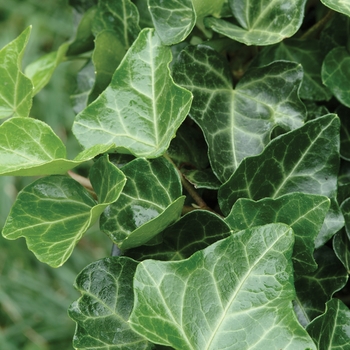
332 329
224 296
142 108
304 213
150 201
341 6
238 123
54 212
103 310
15 88
261 23
29 147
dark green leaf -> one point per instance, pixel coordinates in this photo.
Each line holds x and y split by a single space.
341 246
103 310
225 296
238 123
344 115
345 208
341 6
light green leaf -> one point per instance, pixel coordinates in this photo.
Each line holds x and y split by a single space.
304 213
306 52
336 74
15 88
194 231
224 297
264 23
142 108
54 212
341 246
150 201
29 147
332 329
329 278
102 318
238 123
341 6
41 70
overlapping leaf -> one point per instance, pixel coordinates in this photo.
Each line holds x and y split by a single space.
150 201
29 147
304 213
225 296
142 108
103 310
238 123
264 23
15 88
341 6
53 212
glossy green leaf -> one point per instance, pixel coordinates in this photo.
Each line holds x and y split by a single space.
315 288
103 310
336 74
29 147
238 123
15 88
306 52
225 296
142 108
341 246
54 212
332 329
194 231
304 213
202 178
41 70
264 23
150 201
341 6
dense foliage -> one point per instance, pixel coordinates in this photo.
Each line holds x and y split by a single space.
216 138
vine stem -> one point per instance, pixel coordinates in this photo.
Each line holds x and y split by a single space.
85 182
317 27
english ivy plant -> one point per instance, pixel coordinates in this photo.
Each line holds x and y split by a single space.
219 134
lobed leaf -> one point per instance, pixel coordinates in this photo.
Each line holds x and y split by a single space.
54 212
244 297
238 123
142 108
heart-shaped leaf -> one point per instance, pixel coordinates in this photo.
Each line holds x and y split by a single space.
263 23
142 108
15 88
29 147
54 212
341 6
238 123
101 316
150 201
224 296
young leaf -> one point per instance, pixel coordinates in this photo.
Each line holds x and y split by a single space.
263 23
338 5
238 123
103 310
228 295
29 147
150 201
54 212
304 213
194 231
142 108
15 88
332 329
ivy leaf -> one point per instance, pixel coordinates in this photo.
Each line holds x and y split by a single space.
29 147
54 212
341 246
306 52
336 75
304 213
343 114
103 310
265 23
338 5
228 293
202 178
244 117
194 231
15 89
142 108
345 208
150 201
329 277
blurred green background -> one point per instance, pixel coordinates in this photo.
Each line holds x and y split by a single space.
34 298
